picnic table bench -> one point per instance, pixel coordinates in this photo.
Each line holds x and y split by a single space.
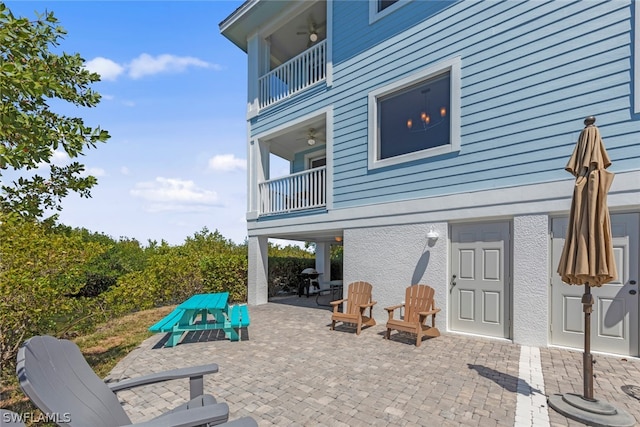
204 312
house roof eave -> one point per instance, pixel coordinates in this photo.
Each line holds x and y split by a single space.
248 18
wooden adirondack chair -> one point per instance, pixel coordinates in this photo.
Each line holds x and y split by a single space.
357 301
418 305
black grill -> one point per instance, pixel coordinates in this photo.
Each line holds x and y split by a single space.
308 278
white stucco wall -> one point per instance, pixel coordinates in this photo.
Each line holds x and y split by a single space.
531 280
392 258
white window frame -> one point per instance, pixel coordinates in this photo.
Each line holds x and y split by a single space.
374 15
452 66
312 157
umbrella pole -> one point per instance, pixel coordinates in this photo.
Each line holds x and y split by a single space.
586 409
587 358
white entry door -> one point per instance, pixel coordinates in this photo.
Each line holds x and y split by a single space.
614 320
480 284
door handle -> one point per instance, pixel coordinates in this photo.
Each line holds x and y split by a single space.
632 282
632 291
453 281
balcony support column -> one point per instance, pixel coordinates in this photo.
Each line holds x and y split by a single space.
264 161
323 260
258 270
258 52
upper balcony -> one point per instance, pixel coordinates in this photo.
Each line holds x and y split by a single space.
296 53
295 75
287 45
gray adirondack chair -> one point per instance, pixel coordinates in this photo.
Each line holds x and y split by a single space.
54 374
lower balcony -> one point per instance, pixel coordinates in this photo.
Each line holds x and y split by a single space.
296 192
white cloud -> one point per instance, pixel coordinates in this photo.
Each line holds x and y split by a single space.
226 163
94 171
146 64
60 158
169 194
124 170
108 69
176 207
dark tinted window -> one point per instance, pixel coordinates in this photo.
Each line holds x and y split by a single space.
415 118
383 4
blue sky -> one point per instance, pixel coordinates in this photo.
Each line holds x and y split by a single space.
174 102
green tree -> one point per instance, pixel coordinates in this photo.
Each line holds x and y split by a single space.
31 75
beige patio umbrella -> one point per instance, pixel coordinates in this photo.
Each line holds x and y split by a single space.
587 259
587 256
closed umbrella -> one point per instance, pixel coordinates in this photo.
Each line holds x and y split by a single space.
587 259
587 256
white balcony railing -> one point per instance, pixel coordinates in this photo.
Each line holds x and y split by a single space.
294 75
302 190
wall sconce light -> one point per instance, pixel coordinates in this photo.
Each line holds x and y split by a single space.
432 235
338 239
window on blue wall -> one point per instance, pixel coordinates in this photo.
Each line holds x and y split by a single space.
383 4
381 8
416 117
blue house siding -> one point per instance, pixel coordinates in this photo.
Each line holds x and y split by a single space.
531 72
352 24
308 101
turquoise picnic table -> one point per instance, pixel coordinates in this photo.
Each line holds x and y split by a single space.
204 312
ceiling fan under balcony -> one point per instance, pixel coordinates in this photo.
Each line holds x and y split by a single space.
311 137
312 31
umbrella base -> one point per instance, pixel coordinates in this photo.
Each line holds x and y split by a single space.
590 412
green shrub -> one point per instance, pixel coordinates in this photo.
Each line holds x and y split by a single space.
284 273
336 262
226 272
205 263
169 278
119 258
39 272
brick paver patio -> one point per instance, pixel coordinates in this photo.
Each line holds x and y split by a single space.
292 370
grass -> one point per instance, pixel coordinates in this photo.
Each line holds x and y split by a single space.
112 341
103 349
